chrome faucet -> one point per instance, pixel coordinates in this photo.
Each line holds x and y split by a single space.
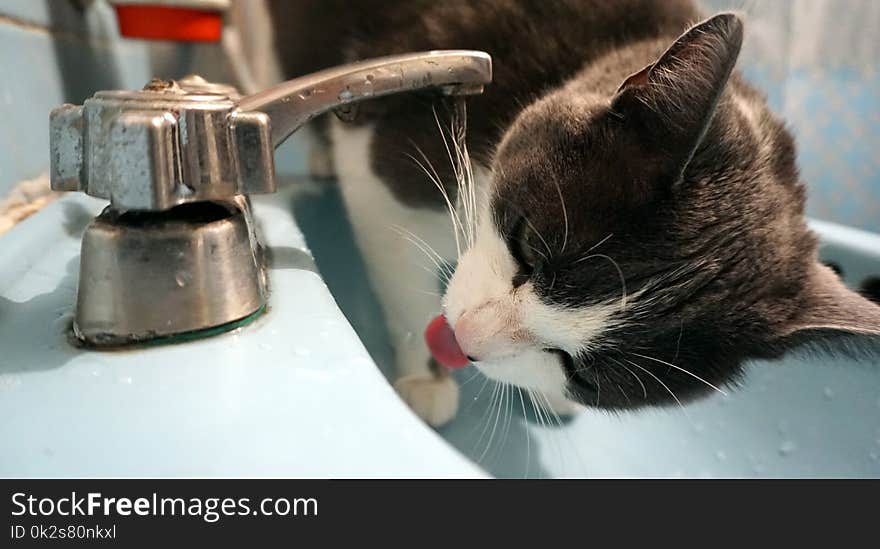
175 252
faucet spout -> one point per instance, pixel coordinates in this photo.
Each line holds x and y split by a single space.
291 104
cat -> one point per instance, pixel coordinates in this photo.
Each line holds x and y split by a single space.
630 218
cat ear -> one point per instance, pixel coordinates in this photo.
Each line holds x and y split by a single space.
830 308
671 101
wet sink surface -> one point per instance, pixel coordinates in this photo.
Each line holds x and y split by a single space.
292 394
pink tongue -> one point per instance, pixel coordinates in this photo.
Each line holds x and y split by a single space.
441 341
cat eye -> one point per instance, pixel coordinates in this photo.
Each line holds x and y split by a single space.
522 251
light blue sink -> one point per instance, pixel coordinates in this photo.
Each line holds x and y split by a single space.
293 394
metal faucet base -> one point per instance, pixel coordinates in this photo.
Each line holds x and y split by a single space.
151 275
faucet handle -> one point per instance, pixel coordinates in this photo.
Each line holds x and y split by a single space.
168 144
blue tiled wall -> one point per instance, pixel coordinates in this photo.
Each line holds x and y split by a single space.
816 60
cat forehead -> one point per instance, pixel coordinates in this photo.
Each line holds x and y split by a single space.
598 170
549 132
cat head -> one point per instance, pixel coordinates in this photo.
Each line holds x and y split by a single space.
642 235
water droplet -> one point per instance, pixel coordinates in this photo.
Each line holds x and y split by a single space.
182 278
721 455
782 427
874 456
828 392
345 95
370 78
787 447
302 351
758 468
126 380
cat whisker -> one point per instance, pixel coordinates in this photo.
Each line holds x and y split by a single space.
619 273
537 251
693 375
458 172
528 222
474 376
477 396
500 404
678 342
557 421
598 390
597 244
539 411
548 408
534 406
638 379
426 292
522 403
458 135
421 249
487 419
507 397
424 244
564 216
453 214
509 419
535 230
433 273
454 165
437 272
425 248
660 381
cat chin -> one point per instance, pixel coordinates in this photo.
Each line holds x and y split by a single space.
532 369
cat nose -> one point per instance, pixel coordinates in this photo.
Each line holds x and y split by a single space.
479 336
466 334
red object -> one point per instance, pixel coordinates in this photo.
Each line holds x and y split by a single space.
441 341
168 23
